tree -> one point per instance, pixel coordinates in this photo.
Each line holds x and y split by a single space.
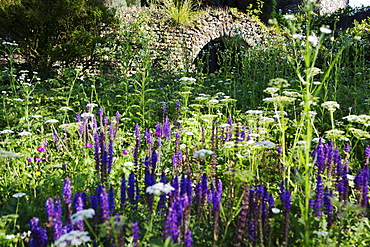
47 32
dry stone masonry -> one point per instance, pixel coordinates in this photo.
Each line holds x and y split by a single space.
179 45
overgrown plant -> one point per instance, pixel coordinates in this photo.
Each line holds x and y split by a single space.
180 12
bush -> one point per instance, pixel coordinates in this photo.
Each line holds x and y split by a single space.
47 32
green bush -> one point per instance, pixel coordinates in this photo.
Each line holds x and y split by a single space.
63 31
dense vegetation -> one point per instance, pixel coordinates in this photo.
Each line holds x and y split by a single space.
270 150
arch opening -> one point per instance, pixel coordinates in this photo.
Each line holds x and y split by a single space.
220 54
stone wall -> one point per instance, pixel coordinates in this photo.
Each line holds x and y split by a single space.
178 46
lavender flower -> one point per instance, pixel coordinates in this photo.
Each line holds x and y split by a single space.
39 237
317 202
243 218
67 191
135 233
285 197
133 190
111 205
367 152
95 206
188 240
167 128
110 155
170 228
137 135
79 205
362 184
328 205
217 193
162 196
58 224
118 117
319 155
103 200
123 190
347 148
50 211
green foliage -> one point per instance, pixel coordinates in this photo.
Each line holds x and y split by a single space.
263 9
61 31
180 12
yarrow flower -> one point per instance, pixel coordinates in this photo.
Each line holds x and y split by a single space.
313 39
72 238
52 121
201 153
159 188
330 105
8 154
6 131
265 144
65 108
80 215
19 195
24 133
325 30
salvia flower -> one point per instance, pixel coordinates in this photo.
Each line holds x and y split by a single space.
188 240
39 237
58 224
103 199
79 205
111 205
135 233
67 190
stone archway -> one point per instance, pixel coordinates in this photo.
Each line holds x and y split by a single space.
179 46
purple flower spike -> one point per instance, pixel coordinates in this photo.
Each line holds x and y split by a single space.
103 199
118 117
111 205
367 154
135 233
347 148
123 190
188 240
216 197
50 211
58 224
67 190
39 237
79 205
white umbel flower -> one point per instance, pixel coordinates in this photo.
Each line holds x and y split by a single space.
159 188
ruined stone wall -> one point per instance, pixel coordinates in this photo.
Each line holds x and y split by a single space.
179 45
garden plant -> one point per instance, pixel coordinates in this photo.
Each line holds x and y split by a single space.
272 149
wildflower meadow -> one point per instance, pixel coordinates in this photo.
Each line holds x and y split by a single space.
272 149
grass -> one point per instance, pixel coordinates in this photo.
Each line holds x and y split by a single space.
272 150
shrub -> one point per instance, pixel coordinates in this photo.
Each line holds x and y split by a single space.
62 31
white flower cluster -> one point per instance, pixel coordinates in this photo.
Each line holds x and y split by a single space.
201 153
80 215
265 144
159 188
8 154
74 238
330 105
